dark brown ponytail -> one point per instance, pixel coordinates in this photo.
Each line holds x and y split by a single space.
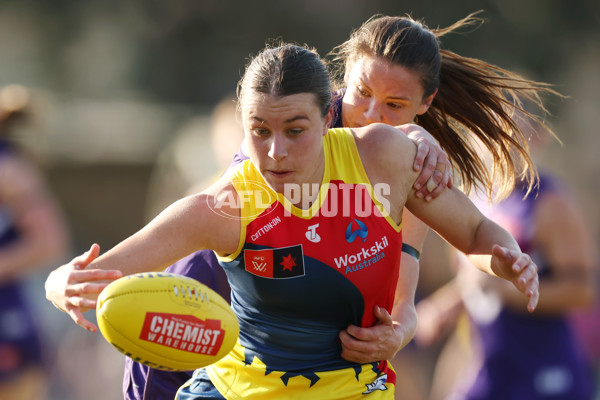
473 115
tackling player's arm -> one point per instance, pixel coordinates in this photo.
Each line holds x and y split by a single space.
459 222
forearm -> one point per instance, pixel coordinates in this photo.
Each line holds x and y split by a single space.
404 316
184 227
414 232
404 313
163 241
487 234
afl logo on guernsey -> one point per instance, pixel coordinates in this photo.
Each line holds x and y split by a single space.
362 231
250 200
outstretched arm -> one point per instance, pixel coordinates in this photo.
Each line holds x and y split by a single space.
184 227
459 221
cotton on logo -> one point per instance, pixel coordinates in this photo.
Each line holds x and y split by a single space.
312 235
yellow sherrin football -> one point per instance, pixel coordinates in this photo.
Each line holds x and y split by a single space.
166 321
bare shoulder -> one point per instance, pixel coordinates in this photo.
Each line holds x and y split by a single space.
219 202
213 215
387 155
386 150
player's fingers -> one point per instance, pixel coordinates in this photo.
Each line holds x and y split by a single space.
89 275
82 261
362 334
535 294
82 302
85 288
435 180
356 350
426 173
349 341
383 316
357 357
527 274
422 151
521 262
80 320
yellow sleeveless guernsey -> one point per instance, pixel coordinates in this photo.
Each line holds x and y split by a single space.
299 277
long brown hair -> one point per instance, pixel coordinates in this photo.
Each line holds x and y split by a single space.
475 106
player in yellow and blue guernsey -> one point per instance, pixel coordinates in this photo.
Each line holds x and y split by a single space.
310 243
324 268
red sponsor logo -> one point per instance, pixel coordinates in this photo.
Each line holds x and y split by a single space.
183 332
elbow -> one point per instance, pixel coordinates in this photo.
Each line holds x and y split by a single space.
474 246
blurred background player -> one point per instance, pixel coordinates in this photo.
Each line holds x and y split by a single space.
33 235
505 353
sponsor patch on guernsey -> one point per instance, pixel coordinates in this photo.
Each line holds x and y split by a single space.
280 263
183 332
364 258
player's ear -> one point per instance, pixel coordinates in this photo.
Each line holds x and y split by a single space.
426 103
328 121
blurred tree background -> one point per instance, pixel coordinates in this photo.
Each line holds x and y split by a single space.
116 79
116 85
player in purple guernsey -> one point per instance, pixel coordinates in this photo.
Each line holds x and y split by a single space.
517 355
33 234
535 357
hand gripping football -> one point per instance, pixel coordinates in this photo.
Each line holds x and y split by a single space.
166 321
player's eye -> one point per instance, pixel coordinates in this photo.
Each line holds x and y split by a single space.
362 91
260 131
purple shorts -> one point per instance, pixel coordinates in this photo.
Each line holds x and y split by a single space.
144 383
